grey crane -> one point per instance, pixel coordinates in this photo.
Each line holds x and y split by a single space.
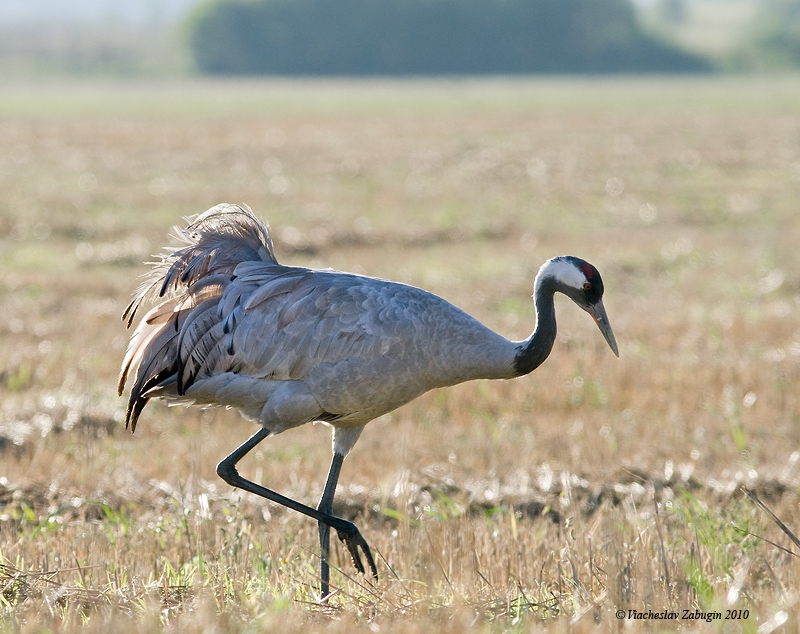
288 345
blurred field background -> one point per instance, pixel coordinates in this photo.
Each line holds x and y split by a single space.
592 485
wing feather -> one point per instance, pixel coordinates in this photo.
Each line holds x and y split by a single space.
209 355
143 339
278 285
201 333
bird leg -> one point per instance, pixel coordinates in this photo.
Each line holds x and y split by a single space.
326 506
345 530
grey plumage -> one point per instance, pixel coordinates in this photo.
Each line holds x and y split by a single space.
289 345
348 345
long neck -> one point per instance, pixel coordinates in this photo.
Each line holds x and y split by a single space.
532 352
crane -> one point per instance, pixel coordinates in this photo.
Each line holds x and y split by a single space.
288 345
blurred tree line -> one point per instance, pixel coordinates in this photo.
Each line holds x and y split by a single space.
772 40
404 37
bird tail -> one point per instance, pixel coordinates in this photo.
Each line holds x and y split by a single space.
193 271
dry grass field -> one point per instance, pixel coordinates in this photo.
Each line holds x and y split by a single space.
552 501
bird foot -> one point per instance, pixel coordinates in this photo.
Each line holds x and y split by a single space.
353 539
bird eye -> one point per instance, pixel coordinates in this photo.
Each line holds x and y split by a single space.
587 286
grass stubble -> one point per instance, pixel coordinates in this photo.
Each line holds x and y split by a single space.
652 482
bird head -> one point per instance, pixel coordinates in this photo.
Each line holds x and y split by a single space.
581 282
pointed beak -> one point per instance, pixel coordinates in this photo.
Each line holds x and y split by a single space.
598 313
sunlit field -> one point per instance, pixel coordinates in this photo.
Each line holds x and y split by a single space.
594 488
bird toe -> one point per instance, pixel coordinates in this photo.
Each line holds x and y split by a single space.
354 541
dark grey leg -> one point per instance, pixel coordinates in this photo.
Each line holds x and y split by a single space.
346 531
326 506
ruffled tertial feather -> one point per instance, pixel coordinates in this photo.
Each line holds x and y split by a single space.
190 275
214 243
